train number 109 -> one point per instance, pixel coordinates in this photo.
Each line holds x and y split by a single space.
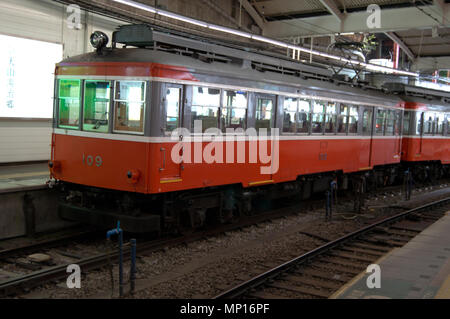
89 160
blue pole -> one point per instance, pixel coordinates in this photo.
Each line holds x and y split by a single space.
118 231
120 264
133 266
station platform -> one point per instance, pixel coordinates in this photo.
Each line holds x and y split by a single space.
15 178
27 205
418 270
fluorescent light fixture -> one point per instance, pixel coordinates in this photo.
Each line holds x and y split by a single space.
181 18
380 68
330 56
137 5
229 30
267 40
302 49
255 37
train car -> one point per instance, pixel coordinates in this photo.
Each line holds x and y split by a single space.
426 133
161 136
426 144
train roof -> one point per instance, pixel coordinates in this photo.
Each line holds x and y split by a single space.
214 63
416 97
240 74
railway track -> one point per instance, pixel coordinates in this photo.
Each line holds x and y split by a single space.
322 271
78 233
23 283
54 273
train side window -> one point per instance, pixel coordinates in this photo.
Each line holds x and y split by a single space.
290 115
367 122
173 102
330 118
342 118
419 120
205 107
264 108
380 123
234 110
69 92
317 117
96 106
129 106
406 122
428 123
440 123
303 116
447 124
390 122
397 122
353 120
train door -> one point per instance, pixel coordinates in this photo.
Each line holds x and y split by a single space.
406 127
172 114
367 132
393 129
397 133
265 118
420 129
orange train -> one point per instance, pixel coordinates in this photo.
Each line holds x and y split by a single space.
160 135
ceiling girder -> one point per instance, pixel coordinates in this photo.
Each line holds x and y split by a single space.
253 13
401 44
220 11
333 9
393 19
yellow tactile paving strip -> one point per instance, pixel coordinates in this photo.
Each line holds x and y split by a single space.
444 291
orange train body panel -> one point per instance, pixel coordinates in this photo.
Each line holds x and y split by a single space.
154 172
77 157
385 151
296 157
415 106
77 162
124 69
417 149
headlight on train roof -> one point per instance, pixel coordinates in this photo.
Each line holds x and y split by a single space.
99 40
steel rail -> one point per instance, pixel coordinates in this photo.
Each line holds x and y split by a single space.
58 272
55 273
259 280
77 234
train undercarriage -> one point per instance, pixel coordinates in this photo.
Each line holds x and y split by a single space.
200 208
